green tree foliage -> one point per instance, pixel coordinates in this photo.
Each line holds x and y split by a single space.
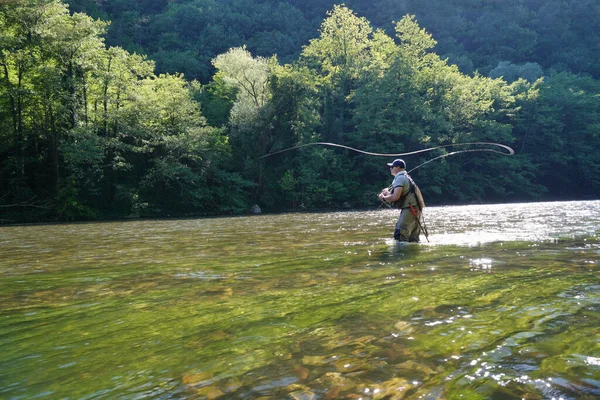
477 35
183 36
339 55
248 127
511 72
46 57
559 131
216 99
90 131
358 86
250 77
374 94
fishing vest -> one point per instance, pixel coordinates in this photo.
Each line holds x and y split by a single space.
412 197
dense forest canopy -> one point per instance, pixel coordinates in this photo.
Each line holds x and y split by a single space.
477 35
156 108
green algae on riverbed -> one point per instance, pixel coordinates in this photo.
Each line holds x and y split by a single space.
296 306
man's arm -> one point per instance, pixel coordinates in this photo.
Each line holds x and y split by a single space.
385 195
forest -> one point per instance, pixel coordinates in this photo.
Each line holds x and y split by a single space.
122 109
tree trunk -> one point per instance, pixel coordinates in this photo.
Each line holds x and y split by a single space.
105 110
72 98
85 100
54 148
11 96
19 127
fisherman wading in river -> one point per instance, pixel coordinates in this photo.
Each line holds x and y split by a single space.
405 195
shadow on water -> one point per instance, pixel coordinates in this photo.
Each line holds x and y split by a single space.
502 304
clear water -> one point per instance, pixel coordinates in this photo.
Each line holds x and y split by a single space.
502 303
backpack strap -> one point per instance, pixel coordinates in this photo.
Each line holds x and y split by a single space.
417 192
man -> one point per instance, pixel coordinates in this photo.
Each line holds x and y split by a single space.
401 195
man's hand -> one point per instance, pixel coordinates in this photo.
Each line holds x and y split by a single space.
390 196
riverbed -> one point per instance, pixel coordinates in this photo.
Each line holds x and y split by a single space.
502 301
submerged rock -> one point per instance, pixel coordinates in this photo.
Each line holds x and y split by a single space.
332 393
210 392
300 392
300 372
404 328
348 365
415 366
303 395
395 388
313 360
231 385
196 378
336 382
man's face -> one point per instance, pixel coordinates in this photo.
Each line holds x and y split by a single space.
393 170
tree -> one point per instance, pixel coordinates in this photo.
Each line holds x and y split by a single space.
46 57
511 72
339 55
250 76
248 128
91 131
558 130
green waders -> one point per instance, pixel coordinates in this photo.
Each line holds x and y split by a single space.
407 227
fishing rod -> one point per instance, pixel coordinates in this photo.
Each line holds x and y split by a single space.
418 218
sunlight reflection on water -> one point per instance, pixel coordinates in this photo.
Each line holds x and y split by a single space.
477 224
471 225
468 225
297 304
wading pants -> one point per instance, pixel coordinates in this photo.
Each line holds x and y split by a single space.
407 227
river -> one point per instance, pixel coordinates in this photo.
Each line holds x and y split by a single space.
503 302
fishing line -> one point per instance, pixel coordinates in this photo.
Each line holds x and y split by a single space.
506 150
464 151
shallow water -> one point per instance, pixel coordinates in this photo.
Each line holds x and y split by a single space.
502 303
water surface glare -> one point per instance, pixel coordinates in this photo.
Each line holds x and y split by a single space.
502 303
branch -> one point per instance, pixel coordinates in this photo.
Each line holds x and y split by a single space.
27 203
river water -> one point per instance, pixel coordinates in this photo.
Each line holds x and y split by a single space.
503 302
